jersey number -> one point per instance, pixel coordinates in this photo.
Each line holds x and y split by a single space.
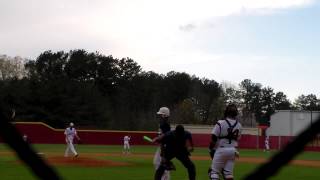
232 135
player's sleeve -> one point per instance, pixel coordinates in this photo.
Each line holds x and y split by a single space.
188 136
216 129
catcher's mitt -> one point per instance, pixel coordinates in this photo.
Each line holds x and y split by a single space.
211 152
237 154
211 149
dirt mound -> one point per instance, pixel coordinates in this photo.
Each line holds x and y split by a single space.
84 162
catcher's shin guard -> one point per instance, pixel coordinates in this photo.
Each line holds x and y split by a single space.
209 172
213 175
227 175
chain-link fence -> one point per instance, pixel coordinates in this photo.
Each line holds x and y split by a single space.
290 147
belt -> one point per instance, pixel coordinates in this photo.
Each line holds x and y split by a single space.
227 146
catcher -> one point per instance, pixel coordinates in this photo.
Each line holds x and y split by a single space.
224 140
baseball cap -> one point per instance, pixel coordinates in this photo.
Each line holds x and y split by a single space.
164 111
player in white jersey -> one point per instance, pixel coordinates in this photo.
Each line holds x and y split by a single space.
225 136
266 143
70 133
126 144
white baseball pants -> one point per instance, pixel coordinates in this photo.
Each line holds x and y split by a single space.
70 149
223 162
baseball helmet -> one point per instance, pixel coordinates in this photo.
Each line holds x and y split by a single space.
231 111
164 111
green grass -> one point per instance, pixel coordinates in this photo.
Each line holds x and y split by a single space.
142 168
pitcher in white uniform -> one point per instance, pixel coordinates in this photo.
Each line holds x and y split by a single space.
224 140
126 144
70 133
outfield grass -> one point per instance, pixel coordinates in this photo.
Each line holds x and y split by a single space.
142 168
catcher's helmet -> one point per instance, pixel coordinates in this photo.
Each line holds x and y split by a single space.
231 111
164 111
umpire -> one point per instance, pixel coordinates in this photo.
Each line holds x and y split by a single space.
177 144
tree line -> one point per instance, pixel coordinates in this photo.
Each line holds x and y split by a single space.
99 91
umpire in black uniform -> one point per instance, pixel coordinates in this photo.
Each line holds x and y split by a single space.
176 144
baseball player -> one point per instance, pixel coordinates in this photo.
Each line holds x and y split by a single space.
25 138
224 140
70 133
164 126
126 144
266 143
177 144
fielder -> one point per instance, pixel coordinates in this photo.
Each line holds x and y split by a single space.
266 144
126 144
224 140
25 138
70 133
164 126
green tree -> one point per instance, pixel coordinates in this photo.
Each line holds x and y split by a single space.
49 66
251 93
232 95
267 100
185 113
281 102
309 102
82 66
207 95
107 74
176 87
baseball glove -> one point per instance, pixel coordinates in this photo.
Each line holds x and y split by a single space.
211 152
237 154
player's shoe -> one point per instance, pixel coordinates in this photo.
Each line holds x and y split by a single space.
75 156
209 172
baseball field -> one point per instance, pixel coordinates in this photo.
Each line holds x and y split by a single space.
108 162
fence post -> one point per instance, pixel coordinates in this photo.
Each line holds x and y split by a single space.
258 141
279 142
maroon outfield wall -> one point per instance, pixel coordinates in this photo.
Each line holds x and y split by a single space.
41 133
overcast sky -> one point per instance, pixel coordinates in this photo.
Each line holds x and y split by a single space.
273 42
